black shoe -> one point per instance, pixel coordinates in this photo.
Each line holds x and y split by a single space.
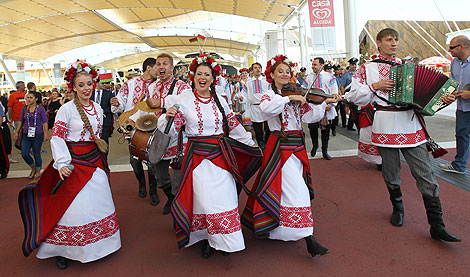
314 151
154 200
326 156
352 129
142 191
61 262
3 176
207 250
397 218
333 132
315 248
167 207
440 233
225 254
344 125
379 167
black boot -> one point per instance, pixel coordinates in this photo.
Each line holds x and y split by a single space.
398 211
167 207
142 190
154 200
325 154
314 247
207 250
434 213
61 262
314 150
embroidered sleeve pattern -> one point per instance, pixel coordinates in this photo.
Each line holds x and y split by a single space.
178 121
232 121
361 74
124 91
60 130
305 109
265 97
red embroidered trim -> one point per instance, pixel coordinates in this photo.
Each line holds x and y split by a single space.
232 121
60 130
200 123
399 139
84 234
361 74
305 109
368 149
217 121
265 97
219 223
296 217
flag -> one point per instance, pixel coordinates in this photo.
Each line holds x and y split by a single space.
193 39
201 37
106 78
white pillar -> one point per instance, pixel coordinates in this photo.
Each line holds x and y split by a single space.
302 43
284 40
351 37
48 76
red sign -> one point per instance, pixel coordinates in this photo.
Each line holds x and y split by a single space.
321 13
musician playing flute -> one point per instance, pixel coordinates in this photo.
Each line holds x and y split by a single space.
127 98
279 204
397 129
166 85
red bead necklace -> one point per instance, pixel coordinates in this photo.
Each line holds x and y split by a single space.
200 100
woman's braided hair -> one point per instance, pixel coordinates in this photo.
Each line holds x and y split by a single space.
216 98
102 145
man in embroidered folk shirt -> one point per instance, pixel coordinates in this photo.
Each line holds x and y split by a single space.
459 47
126 99
327 82
256 86
160 90
396 129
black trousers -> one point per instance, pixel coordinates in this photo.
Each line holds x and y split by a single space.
352 115
342 111
6 137
261 135
325 135
140 175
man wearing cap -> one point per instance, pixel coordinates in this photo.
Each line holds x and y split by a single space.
102 96
302 76
346 86
327 82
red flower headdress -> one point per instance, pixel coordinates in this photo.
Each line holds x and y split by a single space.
271 64
200 59
77 67
243 70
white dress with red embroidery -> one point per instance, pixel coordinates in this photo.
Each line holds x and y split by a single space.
393 129
215 199
130 93
159 90
296 220
89 229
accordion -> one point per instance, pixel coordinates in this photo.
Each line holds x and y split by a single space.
421 87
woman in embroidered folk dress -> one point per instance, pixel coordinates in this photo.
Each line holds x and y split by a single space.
279 204
218 160
78 221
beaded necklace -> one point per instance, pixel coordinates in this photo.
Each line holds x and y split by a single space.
200 100
90 109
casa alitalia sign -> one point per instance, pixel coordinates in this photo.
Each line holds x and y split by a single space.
321 13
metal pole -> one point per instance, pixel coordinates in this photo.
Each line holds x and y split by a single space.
45 72
7 72
284 40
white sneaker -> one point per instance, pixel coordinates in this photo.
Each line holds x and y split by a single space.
449 168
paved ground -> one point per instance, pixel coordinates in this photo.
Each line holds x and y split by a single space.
351 212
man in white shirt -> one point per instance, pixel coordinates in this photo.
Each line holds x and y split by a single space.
327 82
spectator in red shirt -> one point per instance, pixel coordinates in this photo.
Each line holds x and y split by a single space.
16 103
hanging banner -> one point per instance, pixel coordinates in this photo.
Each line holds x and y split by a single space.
321 13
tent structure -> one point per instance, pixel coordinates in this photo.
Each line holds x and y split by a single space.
436 62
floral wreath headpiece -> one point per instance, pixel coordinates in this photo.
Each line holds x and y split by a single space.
72 70
276 60
201 59
243 70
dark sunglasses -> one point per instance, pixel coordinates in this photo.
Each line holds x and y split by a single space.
453 47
